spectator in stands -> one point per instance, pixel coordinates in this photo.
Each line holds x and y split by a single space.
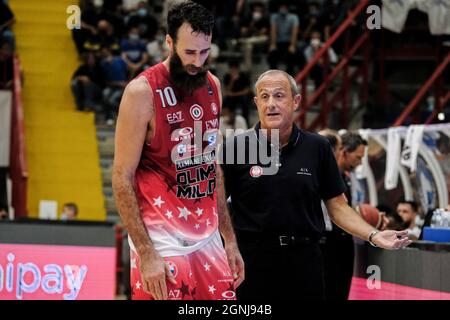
340 13
214 54
116 76
157 49
331 11
6 65
315 20
70 211
237 89
134 52
255 32
318 70
143 20
229 119
112 6
132 5
284 30
91 13
7 20
3 213
257 23
87 84
229 14
105 36
409 212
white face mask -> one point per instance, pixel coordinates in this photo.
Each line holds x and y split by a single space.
64 216
257 15
98 3
142 12
315 42
134 37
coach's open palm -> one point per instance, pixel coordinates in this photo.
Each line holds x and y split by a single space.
390 239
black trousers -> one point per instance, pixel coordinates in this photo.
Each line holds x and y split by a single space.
274 272
338 252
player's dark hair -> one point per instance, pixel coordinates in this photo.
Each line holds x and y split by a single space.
413 204
200 19
72 206
332 137
351 141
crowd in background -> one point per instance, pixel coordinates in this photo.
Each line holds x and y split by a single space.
119 39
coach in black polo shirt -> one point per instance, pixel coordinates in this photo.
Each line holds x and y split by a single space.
275 204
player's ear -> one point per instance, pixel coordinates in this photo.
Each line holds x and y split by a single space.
169 42
297 100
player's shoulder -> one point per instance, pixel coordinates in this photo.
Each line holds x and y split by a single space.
139 86
214 78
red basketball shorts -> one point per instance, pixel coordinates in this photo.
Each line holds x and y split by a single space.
201 275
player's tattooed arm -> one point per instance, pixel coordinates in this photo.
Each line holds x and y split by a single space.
134 127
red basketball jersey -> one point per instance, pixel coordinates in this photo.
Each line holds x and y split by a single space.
176 176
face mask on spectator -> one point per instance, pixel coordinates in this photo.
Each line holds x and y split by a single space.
134 37
315 42
142 12
257 15
98 3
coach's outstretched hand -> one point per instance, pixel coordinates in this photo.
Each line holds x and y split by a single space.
390 239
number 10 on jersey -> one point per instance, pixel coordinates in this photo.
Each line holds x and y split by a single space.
167 96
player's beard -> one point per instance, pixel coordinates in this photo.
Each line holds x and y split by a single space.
182 79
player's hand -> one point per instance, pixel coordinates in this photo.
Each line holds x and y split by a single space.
235 262
390 239
154 271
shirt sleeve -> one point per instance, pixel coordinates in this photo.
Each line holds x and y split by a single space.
273 18
331 184
295 20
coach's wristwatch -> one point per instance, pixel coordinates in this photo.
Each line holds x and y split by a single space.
372 234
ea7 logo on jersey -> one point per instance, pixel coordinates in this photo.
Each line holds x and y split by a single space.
175 117
174 294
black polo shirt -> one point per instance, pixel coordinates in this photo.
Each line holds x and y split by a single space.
288 202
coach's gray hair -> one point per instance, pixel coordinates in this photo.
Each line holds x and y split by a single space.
294 88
